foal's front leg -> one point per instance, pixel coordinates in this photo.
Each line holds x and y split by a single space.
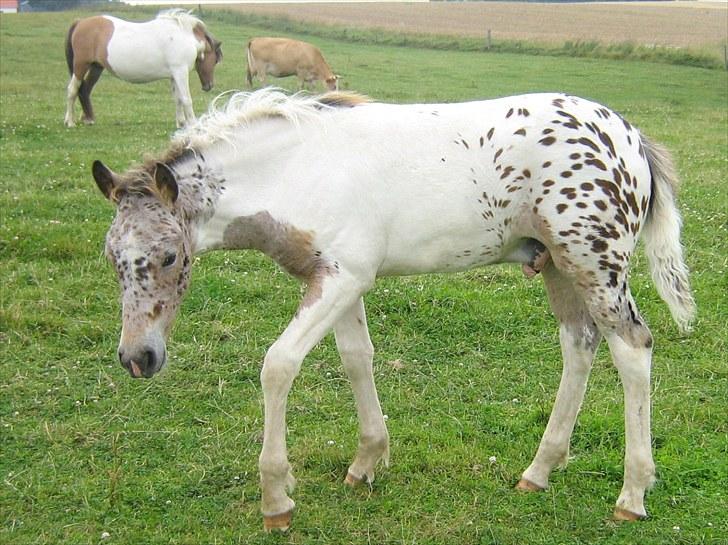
315 318
357 352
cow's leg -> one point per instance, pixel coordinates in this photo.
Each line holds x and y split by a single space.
71 94
321 309
357 352
183 100
579 338
84 92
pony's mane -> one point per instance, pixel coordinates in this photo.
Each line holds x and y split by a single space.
242 108
224 118
183 17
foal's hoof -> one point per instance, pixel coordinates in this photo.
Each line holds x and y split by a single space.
628 516
352 480
280 522
528 486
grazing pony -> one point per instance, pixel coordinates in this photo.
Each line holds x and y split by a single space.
165 47
339 190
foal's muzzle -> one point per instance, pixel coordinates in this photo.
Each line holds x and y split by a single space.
142 363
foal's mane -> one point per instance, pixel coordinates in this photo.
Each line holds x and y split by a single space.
223 119
241 109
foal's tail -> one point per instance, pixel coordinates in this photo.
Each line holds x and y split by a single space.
69 47
662 237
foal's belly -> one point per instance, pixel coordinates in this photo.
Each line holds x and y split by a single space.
444 252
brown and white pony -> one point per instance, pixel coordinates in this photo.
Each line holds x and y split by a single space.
165 47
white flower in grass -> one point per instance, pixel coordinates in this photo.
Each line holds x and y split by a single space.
331 442
492 460
105 535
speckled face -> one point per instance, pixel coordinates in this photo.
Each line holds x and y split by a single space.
150 251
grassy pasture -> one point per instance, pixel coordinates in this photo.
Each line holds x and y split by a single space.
467 365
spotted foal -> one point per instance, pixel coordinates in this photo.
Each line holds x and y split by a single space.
339 190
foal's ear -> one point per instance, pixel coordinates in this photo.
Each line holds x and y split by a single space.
104 178
166 183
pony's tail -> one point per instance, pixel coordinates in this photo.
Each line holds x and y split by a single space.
248 75
662 237
69 47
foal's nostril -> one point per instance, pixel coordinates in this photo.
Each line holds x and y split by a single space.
148 364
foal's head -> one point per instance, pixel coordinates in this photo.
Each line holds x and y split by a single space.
210 56
150 248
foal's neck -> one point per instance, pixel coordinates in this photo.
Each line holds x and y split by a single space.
200 188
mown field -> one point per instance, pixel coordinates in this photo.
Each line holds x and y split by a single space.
467 365
675 24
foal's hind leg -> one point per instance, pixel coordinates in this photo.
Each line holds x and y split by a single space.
630 344
84 92
579 338
356 350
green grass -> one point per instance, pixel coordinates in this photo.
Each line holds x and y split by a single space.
86 450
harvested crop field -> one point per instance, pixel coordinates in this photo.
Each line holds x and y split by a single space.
678 24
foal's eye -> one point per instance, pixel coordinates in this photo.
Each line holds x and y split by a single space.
169 260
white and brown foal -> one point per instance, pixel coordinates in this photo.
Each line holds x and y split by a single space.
165 47
339 191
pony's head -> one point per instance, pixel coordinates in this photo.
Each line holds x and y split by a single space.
149 246
208 58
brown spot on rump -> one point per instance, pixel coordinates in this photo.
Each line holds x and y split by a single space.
547 141
596 163
573 122
585 142
520 132
90 40
288 246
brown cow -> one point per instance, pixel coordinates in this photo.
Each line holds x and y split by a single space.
281 57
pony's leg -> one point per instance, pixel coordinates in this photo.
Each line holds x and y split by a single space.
316 316
630 344
182 97
84 93
579 338
357 352
71 93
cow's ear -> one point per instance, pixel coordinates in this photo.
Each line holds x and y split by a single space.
105 179
166 183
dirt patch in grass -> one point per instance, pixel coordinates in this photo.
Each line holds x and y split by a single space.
677 24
